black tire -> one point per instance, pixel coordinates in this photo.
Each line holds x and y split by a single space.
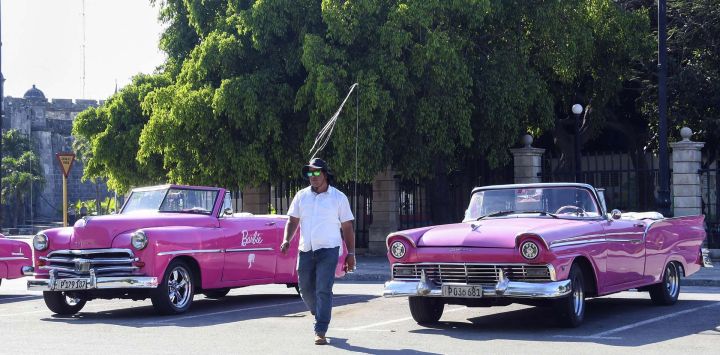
216 293
666 293
63 303
426 310
174 295
570 309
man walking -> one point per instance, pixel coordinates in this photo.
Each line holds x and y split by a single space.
322 211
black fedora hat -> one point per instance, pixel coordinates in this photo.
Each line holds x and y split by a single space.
317 163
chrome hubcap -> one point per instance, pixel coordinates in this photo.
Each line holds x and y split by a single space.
179 286
672 279
71 301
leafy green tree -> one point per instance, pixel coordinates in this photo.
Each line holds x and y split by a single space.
20 169
229 118
107 137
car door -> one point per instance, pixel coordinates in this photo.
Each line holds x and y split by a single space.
625 251
250 245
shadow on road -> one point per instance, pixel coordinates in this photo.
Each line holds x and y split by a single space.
7 299
342 343
608 321
204 311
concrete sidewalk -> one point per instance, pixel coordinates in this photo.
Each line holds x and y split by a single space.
377 268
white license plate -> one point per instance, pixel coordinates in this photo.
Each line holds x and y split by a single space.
462 291
71 284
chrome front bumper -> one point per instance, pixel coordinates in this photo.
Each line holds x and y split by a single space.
504 288
95 283
705 257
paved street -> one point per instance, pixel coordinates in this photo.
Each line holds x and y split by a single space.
272 319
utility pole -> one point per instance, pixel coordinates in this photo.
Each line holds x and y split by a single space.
2 112
663 199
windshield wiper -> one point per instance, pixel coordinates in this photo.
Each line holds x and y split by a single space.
496 214
542 213
507 212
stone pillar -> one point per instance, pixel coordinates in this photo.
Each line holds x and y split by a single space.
687 191
528 162
256 199
385 211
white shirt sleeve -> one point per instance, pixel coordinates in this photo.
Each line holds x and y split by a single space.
294 209
344 211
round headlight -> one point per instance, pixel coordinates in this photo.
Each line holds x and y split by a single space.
40 242
529 250
139 240
397 249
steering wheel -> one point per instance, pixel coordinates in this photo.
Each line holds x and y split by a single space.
578 210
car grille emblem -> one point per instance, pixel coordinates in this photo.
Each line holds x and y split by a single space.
82 266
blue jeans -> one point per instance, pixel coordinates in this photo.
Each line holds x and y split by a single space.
316 276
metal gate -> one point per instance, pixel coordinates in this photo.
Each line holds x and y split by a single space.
710 181
282 193
630 182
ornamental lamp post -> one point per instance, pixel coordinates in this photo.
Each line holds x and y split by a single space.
663 197
577 109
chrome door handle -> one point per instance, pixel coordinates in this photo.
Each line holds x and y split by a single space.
270 223
640 225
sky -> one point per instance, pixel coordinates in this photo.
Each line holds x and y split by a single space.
42 44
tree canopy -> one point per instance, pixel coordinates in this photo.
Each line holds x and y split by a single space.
248 84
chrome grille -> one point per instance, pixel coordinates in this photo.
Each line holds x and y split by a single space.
105 262
472 273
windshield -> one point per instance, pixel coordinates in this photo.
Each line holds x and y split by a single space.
171 200
560 201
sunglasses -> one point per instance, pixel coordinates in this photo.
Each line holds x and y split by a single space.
313 173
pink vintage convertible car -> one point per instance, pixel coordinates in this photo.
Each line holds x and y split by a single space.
542 244
15 258
167 243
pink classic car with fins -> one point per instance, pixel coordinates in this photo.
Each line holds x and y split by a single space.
168 243
542 244
15 258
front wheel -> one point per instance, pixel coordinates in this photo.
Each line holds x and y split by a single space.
571 308
63 303
666 293
426 310
175 293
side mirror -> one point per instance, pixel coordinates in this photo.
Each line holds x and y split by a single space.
228 211
615 214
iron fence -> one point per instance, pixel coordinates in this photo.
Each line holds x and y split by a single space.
282 193
630 181
710 180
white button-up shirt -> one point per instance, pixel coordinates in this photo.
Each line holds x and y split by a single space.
320 217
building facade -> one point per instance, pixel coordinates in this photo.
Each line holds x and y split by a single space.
48 124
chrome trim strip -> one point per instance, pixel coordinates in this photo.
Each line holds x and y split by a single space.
17 254
9 258
91 251
92 261
198 251
503 288
248 249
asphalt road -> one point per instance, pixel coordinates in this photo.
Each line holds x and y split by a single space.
272 319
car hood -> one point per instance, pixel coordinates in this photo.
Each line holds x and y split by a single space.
490 233
99 232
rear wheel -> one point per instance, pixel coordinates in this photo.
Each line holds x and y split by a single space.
175 293
216 293
426 310
64 303
571 308
666 293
